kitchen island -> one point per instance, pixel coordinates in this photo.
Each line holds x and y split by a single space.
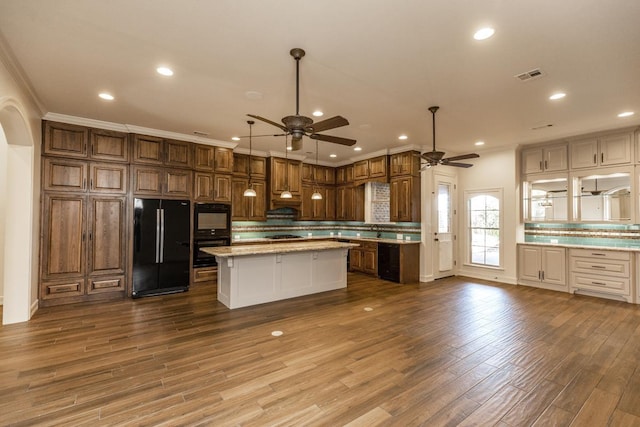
256 274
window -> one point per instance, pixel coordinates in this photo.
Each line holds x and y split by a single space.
484 224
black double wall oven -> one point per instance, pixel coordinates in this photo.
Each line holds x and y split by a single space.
211 228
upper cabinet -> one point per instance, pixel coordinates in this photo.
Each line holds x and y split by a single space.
604 151
153 150
407 163
344 174
223 160
545 159
72 141
375 169
243 164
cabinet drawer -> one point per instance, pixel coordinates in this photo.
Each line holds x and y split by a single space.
70 288
205 275
606 267
99 285
600 284
594 253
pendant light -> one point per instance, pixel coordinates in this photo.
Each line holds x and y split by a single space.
286 194
316 194
250 192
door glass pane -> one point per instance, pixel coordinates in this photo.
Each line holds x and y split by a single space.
444 208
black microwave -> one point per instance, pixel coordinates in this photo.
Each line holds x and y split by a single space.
211 219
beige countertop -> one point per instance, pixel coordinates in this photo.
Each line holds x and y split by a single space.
259 240
276 248
589 247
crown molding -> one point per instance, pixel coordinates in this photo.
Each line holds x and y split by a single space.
410 147
379 153
246 151
291 156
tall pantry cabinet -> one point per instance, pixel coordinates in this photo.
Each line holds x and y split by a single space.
83 234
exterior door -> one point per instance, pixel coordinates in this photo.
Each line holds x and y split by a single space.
443 226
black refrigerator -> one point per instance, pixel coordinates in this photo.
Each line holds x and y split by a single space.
161 231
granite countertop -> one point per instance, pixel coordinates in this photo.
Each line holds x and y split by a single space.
587 247
276 248
259 240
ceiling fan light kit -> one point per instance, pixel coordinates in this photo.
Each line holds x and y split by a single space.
298 126
434 157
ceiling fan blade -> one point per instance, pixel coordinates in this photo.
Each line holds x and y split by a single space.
258 136
334 139
331 123
278 125
458 165
462 157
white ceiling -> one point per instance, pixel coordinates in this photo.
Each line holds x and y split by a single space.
379 63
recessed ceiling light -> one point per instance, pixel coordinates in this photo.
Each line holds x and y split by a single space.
357 149
235 138
557 95
165 71
626 114
333 156
106 96
403 137
484 33
479 143
318 113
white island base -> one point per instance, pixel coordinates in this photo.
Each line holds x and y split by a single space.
264 277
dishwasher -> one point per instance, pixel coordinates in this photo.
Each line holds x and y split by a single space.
389 261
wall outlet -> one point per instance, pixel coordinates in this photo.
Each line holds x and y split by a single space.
399 236
357 234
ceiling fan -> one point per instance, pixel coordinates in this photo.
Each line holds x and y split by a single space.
434 158
298 126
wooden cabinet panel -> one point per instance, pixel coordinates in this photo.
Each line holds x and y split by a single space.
64 175
223 160
102 285
52 290
370 262
147 181
405 199
361 170
344 174
206 274
307 172
238 202
258 166
107 219
330 203
222 188
108 178
306 207
66 140
179 154
203 157
178 183
356 259
63 236
407 163
378 167
248 208
372 169
109 145
203 187
148 150
258 205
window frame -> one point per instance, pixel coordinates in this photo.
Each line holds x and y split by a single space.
499 195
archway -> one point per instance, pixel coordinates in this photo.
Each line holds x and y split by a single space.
17 216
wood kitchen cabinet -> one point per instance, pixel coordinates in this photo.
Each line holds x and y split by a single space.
375 169
209 187
223 160
80 176
364 258
601 272
203 158
318 210
344 174
83 250
258 166
321 175
248 208
405 163
350 203
73 141
284 174
161 182
405 199
151 150
543 267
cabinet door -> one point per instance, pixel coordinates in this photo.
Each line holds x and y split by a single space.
355 260
222 188
106 248
361 170
223 160
64 175
203 187
178 154
584 153
358 203
295 177
148 150
63 238
109 145
330 203
340 203
307 172
108 178
407 163
239 203
240 165
370 262
178 183
203 158
258 168
147 181
378 167
554 266
529 263
306 208
615 149
555 158
257 209
394 200
532 161
318 207
66 140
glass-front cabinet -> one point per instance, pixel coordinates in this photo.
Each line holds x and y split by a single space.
603 195
545 198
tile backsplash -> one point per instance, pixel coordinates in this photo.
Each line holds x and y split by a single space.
615 235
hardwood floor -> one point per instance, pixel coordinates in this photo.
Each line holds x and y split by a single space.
452 352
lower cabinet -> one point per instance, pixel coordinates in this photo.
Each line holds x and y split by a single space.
205 275
364 258
83 250
543 267
602 273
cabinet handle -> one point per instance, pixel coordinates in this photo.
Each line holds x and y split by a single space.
598 266
84 184
91 183
83 236
542 275
601 157
541 168
597 254
90 236
546 166
599 283
595 159
539 275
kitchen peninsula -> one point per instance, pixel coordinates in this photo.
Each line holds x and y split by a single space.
256 274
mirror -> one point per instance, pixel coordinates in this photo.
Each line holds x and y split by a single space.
604 197
546 200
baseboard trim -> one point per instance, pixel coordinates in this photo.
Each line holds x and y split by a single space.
489 276
34 308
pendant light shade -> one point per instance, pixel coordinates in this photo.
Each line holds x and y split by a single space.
286 194
316 194
250 192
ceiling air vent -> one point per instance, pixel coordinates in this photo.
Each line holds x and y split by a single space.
529 75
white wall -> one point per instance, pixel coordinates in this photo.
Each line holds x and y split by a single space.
493 170
20 118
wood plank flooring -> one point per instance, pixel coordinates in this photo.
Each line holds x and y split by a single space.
452 352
